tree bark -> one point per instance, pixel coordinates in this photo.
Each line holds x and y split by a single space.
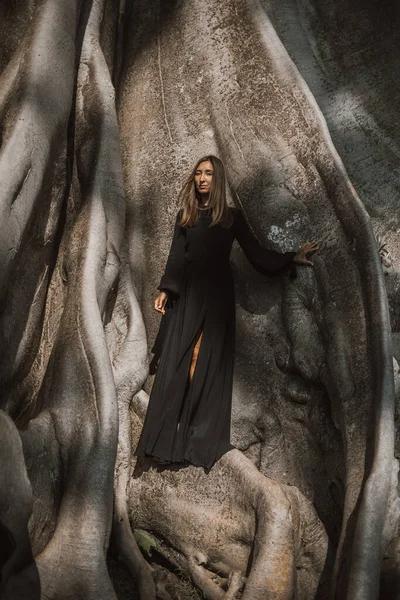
103 107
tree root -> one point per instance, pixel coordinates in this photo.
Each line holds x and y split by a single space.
232 520
79 390
129 376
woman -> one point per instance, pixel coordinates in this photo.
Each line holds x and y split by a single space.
189 411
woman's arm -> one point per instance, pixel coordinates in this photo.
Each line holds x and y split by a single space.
266 261
171 281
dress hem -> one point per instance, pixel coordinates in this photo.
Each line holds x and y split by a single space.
185 460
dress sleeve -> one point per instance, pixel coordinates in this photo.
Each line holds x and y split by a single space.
266 261
171 281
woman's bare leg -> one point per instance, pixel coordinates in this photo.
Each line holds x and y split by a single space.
194 356
194 361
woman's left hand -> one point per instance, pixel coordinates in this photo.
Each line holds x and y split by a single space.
306 248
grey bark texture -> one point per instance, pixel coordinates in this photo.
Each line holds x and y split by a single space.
104 107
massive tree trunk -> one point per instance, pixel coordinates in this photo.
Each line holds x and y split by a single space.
103 107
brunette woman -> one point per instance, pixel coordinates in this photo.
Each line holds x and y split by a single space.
189 412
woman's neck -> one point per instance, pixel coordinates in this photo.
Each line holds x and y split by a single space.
203 202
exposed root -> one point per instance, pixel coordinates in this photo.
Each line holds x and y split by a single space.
204 581
79 390
129 377
230 522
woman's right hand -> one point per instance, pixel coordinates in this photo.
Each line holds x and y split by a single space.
160 302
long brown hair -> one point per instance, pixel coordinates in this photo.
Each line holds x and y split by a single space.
189 196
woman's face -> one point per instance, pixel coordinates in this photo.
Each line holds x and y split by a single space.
203 177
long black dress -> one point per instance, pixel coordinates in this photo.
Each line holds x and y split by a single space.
199 283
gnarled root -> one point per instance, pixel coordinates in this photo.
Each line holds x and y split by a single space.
231 523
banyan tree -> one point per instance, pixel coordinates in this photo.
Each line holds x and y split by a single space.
104 106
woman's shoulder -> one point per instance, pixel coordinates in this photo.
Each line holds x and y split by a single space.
236 216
